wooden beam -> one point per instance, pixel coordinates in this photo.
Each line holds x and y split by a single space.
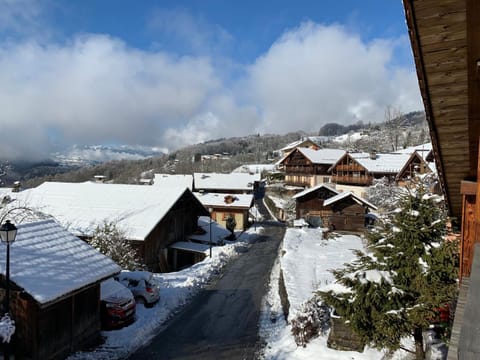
473 56
468 187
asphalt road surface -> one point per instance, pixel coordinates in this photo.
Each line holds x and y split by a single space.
222 321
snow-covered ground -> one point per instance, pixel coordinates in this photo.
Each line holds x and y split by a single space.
176 289
305 262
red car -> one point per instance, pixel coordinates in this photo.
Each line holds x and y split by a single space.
117 305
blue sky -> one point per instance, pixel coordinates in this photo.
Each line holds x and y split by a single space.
172 73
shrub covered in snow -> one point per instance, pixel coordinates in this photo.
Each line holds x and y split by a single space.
111 241
312 320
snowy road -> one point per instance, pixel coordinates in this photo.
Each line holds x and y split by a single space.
222 321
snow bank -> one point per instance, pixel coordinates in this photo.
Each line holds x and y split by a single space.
308 258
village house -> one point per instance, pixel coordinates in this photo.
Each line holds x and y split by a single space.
55 290
356 171
153 218
326 207
221 206
234 183
309 167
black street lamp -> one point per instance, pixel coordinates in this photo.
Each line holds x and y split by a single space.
8 233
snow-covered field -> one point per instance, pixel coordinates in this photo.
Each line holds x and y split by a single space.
176 289
305 262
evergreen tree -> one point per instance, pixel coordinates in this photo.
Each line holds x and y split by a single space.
111 241
408 272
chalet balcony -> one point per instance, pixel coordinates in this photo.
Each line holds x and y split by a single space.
349 167
353 180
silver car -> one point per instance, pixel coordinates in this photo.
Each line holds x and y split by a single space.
143 286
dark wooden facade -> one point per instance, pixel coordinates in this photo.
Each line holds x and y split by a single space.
347 213
180 222
311 204
415 165
301 171
348 171
55 330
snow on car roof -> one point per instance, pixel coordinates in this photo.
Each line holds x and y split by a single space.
48 261
135 275
136 209
113 289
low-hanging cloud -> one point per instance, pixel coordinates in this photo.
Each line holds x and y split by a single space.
319 74
97 89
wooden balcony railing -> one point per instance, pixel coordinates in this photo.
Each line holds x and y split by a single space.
352 180
350 167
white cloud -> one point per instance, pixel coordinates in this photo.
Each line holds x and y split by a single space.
96 89
319 74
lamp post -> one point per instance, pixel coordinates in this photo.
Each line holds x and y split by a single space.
210 230
8 233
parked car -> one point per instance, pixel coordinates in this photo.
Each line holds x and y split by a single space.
144 287
117 305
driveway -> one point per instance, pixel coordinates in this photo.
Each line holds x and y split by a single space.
222 321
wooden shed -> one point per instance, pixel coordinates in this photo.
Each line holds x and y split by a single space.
55 291
347 211
309 203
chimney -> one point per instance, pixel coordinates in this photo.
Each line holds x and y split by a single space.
373 154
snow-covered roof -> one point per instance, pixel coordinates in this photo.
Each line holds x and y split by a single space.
218 231
423 148
190 246
344 195
234 181
312 189
167 180
81 207
320 156
219 200
48 261
298 143
382 163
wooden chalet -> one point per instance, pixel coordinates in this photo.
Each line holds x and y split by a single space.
309 167
445 38
324 206
309 203
55 291
356 171
415 165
